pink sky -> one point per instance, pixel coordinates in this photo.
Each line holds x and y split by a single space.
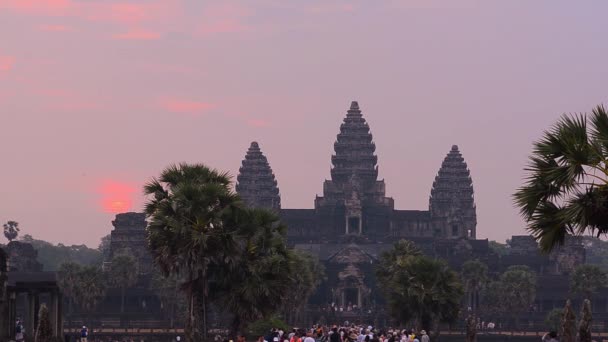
98 96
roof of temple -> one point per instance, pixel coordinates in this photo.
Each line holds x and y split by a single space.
354 149
409 215
256 183
453 182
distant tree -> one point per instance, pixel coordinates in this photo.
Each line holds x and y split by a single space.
596 252
104 246
474 274
123 274
172 300
257 286
187 213
586 280
418 288
68 281
52 256
567 185
306 275
584 326
553 319
11 230
568 324
501 249
492 299
90 287
518 285
44 331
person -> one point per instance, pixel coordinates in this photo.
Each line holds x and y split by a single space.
19 331
84 333
309 337
550 337
424 337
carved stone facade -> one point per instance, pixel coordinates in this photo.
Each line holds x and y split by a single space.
129 237
256 184
22 257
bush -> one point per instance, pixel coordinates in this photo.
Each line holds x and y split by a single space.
553 319
262 327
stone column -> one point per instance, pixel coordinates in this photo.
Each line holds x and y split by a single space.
60 314
30 324
54 313
359 301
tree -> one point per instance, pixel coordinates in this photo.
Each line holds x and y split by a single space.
11 230
259 283
518 286
172 300
492 299
567 185
104 246
553 319
568 324
90 287
418 288
68 280
474 276
123 274
584 326
187 212
587 280
44 331
306 275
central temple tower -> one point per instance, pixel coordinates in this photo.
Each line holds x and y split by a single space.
354 201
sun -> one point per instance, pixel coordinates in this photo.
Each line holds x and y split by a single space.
116 197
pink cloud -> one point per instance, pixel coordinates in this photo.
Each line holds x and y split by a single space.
332 8
137 34
181 106
224 18
45 7
55 28
6 63
258 123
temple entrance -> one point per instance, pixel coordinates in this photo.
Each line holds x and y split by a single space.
354 226
351 297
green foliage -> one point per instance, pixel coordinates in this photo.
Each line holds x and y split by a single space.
586 280
11 230
518 288
265 275
417 287
567 184
104 246
553 319
474 275
68 281
123 273
189 212
52 256
262 327
492 299
307 273
44 331
90 287
501 249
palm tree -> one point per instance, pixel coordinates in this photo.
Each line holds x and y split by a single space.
587 280
474 275
518 286
90 287
123 274
11 230
566 191
67 279
257 285
306 276
187 213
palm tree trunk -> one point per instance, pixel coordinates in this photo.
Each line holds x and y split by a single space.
122 299
204 304
190 321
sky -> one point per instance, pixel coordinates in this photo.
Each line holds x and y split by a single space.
98 96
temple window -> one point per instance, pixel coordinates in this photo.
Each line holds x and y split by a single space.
455 230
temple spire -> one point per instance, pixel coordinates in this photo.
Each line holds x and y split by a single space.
451 203
256 183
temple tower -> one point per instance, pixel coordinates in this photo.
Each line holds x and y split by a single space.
354 199
451 205
256 183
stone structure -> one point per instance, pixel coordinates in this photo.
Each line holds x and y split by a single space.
129 236
22 257
4 309
256 183
354 221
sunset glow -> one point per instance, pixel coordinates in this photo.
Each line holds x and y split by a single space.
116 197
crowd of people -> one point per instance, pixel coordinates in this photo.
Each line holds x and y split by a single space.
346 333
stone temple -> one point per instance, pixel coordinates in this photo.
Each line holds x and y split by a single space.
354 221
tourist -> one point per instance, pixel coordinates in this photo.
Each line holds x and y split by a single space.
424 337
19 331
84 333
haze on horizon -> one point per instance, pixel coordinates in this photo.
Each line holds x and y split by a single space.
98 96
